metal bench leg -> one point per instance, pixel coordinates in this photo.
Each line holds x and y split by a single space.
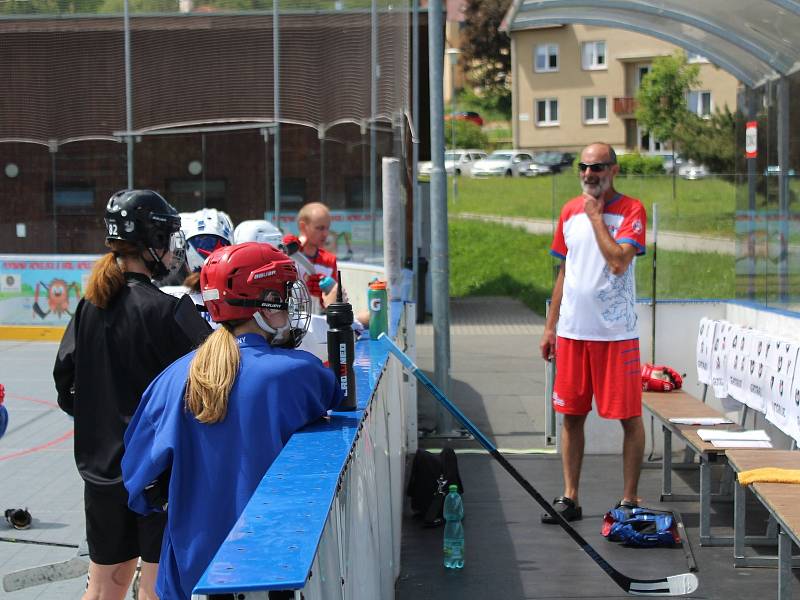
785 566
739 519
666 464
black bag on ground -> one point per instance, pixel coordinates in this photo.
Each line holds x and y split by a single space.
428 484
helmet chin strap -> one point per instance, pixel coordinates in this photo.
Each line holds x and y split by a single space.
279 335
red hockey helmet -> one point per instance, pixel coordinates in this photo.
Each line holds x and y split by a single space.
238 281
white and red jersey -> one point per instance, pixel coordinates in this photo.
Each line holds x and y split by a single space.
325 263
596 304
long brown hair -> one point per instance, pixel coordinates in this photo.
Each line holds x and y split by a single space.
107 279
212 374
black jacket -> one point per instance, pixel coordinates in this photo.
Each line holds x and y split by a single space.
106 360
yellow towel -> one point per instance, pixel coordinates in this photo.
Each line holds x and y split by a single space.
769 475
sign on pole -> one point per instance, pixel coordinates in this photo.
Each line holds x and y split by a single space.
751 139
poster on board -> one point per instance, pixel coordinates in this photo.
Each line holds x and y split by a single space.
705 341
42 289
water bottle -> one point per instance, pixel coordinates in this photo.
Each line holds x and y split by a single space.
453 530
326 284
341 351
378 309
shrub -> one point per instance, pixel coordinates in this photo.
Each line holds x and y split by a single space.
637 164
468 135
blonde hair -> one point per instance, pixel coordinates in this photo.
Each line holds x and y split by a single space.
306 212
192 281
212 373
107 278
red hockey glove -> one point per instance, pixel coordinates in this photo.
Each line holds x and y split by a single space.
312 283
291 244
660 378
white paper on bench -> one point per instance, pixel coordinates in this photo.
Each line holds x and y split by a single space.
700 421
741 444
708 435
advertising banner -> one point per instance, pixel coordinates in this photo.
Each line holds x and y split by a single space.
42 289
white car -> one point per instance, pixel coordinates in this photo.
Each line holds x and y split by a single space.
508 163
692 171
460 161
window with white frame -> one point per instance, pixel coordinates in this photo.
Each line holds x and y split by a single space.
547 112
699 102
546 59
594 55
595 109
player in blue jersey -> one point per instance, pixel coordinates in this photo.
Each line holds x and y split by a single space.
212 423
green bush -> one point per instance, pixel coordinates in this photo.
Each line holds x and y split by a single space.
637 164
467 135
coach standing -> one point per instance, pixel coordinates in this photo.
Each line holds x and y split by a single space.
591 329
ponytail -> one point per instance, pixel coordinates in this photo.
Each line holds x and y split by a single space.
105 281
212 374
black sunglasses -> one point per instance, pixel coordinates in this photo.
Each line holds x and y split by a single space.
594 167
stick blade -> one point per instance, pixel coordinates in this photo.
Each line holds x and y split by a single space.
674 585
25 578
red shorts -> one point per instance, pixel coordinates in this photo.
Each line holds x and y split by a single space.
608 370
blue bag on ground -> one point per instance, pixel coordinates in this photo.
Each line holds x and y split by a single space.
640 527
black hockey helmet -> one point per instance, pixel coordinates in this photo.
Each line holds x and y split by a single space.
142 217
145 218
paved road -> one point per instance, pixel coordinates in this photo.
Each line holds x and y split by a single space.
667 240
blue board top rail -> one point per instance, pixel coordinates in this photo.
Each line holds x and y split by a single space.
273 544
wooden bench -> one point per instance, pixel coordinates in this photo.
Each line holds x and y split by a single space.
783 503
677 404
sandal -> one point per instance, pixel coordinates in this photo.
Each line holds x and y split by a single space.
627 504
566 508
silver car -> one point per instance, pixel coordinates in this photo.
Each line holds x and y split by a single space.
508 163
458 160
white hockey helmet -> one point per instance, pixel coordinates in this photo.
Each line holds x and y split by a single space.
257 231
206 230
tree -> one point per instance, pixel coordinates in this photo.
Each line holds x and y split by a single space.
487 52
711 141
661 100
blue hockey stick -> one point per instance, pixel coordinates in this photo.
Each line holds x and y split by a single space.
674 585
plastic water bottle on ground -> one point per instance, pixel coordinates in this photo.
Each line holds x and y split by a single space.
453 530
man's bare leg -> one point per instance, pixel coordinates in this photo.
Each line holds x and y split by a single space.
147 582
572 443
109 582
632 452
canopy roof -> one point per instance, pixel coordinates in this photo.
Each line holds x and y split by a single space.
754 40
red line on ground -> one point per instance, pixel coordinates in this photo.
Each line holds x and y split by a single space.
36 400
58 440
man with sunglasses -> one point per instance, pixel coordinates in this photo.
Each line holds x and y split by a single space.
591 330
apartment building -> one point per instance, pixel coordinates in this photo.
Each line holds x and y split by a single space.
575 84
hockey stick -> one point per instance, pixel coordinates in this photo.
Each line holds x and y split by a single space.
674 585
37 542
25 578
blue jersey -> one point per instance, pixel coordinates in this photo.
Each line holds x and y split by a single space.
217 467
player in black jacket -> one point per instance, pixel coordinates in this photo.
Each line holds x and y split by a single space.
125 331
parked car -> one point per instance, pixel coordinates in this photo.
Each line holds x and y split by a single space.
545 163
459 160
466 115
692 171
773 170
511 163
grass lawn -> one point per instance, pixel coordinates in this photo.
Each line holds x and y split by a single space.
704 206
488 259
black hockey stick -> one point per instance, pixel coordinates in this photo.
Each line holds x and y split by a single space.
674 585
37 542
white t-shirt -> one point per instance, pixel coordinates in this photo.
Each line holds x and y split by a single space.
596 304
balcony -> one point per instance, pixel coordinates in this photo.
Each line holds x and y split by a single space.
624 107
